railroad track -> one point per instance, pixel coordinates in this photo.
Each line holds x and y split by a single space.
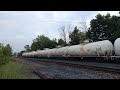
108 70
40 75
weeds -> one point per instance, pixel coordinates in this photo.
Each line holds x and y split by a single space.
12 70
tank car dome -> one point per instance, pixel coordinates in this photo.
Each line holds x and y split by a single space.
117 46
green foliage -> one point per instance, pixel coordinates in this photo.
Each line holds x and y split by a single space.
42 42
7 50
76 36
53 43
61 42
104 27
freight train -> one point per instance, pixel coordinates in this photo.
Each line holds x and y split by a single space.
101 49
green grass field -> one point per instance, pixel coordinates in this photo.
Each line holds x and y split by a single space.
12 70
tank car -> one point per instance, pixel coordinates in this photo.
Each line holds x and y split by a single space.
94 49
61 52
74 51
100 48
52 53
117 47
38 53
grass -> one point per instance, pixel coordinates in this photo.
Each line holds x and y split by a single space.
12 70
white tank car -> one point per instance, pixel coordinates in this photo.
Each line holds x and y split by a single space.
45 52
38 53
117 46
30 54
48 52
27 54
74 50
23 54
33 53
61 52
52 52
66 51
100 48
42 53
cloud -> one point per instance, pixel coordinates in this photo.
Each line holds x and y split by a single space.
8 24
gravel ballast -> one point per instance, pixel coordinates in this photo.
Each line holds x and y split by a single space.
58 71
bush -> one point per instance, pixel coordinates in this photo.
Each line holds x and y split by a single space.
9 69
5 54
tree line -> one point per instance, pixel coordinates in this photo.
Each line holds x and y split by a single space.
103 27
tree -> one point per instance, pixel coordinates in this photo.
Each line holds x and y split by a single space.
20 53
83 25
34 46
5 53
7 50
53 43
65 30
1 45
69 29
15 54
27 48
76 36
83 28
42 42
104 27
61 42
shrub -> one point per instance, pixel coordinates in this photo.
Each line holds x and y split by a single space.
5 54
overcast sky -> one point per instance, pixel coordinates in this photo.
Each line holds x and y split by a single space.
19 28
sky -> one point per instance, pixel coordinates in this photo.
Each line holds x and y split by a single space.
19 28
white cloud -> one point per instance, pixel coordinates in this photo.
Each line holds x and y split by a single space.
8 24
